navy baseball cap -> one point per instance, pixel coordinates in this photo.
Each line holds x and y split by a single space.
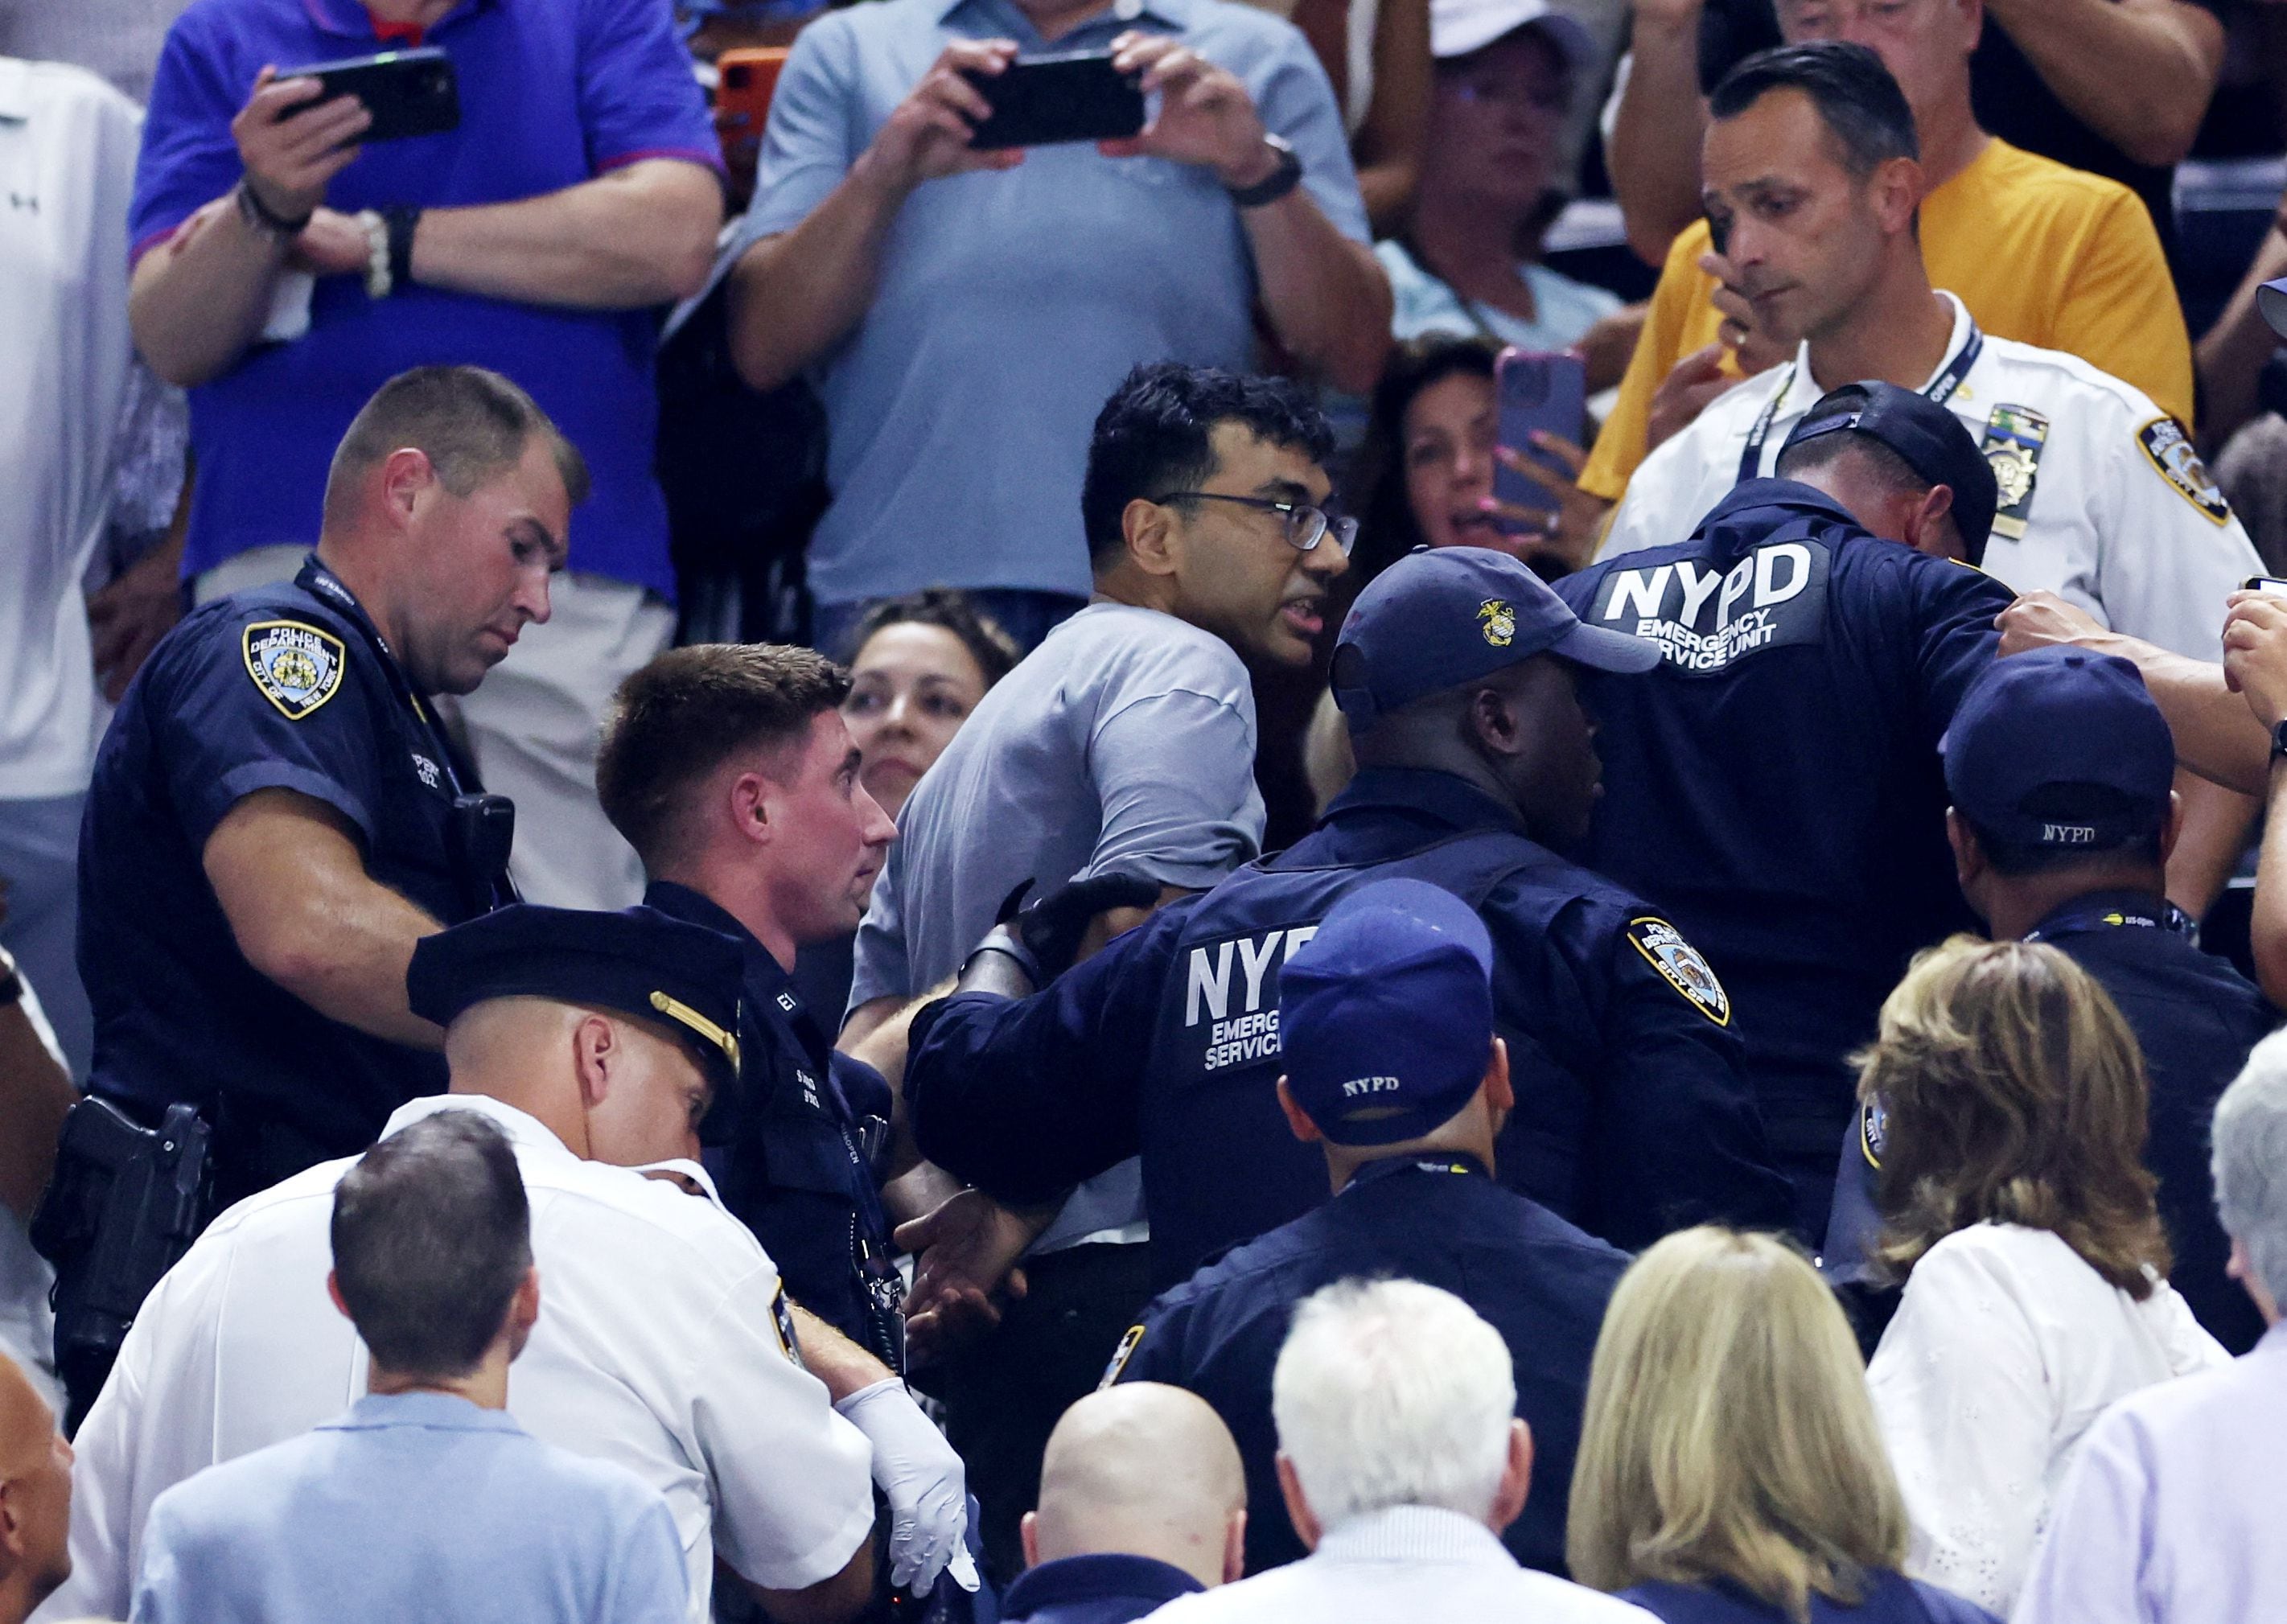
1930 440
638 961
2271 299
2059 748
1386 1015
1442 617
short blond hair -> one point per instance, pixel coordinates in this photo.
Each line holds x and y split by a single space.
1728 1433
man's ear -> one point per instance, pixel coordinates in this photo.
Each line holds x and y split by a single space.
1898 188
1234 1547
1927 529
1298 1120
595 1056
1492 723
406 476
1968 856
1307 1527
2172 827
11 1532
334 1291
1500 1095
1155 541
749 796
1516 1478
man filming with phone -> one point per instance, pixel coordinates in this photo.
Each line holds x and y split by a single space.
964 310
507 185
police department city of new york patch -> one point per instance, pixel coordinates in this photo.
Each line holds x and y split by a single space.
1680 965
298 667
2170 451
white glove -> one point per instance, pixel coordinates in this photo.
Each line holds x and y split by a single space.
925 1482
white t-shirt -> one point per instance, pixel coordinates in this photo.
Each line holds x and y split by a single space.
2006 1347
2119 516
658 1348
67 147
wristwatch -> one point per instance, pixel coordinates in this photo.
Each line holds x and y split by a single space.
2278 739
1277 183
256 214
12 985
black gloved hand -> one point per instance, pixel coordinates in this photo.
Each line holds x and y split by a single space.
1051 926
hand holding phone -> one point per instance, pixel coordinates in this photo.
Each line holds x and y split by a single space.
1545 393
927 135
407 93
291 143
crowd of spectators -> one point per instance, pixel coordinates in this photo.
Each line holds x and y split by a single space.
757 864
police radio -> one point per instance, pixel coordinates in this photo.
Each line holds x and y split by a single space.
478 837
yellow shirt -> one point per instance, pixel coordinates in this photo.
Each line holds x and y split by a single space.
2041 253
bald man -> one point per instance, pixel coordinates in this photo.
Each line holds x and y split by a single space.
1143 1500
35 1497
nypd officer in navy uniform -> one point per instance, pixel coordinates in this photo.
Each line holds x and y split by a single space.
1774 783
1391 1064
2059 765
276 817
729 770
1455 670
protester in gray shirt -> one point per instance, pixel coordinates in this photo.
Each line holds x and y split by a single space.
1124 744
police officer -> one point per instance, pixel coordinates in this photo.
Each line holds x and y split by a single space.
728 768
1455 670
1390 1063
1776 782
2058 765
2102 496
276 817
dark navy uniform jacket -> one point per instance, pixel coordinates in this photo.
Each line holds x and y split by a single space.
1539 1281
1110 1589
1632 1115
1776 783
1889 1599
2195 1018
798 1165
279 687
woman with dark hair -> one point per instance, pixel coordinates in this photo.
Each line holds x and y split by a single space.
2013 1101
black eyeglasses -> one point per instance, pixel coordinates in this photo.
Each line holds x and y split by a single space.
1306 525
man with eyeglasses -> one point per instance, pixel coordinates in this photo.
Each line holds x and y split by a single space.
1122 747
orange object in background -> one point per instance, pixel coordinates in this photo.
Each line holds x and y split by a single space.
746 80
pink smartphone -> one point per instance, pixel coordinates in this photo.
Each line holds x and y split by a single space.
1546 391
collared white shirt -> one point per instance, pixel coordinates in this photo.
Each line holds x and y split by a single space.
67 147
2005 1346
2121 518
658 1348
1402 1562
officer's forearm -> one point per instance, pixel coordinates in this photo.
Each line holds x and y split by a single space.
291 880
843 1365
2268 930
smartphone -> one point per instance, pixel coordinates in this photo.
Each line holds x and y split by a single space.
2270 585
744 83
1078 96
1547 391
408 92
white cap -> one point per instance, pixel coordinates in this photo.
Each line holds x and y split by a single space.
1459 26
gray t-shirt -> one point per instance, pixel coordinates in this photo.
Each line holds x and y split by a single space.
1124 743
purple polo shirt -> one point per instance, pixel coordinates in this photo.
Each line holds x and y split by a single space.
553 93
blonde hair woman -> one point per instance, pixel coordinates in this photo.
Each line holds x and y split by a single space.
1730 1468
2016 1205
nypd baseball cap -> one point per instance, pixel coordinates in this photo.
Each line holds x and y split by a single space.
1457 28
638 962
1442 617
1930 440
1386 1015
2060 748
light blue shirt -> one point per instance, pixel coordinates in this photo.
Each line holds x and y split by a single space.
1563 310
2172 1514
412 1505
1010 303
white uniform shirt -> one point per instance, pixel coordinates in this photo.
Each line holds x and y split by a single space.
660 1347
1404 1562
2006 1347
2121 517
67 147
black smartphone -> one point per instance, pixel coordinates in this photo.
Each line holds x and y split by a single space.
1078 96
408 92
1546 391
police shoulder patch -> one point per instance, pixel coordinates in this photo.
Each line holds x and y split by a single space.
2169 449
1680 966
296 666
1120 1356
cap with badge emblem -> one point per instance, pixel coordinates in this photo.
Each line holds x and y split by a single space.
1441 616
1929 440
1386 1015
638 962
2057 749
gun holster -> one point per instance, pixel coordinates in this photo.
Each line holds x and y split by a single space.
125 1203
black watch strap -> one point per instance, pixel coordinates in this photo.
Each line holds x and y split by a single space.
401 223
1276 184
259 213
2278 739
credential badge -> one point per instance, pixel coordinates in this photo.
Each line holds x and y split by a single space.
298 667
1119 1357
2013 437
1497 620
2171 451
1680 966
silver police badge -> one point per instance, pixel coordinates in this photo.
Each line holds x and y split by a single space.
2170 450
1680 965
298 667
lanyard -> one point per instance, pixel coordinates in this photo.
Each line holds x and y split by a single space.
322 584
2135 914
1941 390
1445 1162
